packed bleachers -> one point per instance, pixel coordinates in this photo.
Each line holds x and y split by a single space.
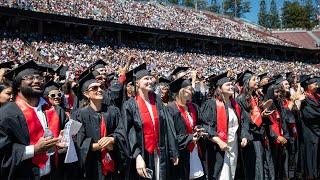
152 15
78 54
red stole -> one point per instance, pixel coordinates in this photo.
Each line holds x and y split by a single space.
222 118
255 113
187 121
35 128
150 130
313 96
107 161
276 126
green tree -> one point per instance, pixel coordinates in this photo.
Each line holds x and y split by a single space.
174 1
296 15
236 7
202 4
263 16
274 19
188 3
214 6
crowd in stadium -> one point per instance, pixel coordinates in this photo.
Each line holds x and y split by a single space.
79 53
152 15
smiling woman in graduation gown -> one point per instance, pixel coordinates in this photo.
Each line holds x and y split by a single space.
150 131
256 155
222 121
100 141
186 116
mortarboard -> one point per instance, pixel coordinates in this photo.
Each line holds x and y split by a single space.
163 80
178 70
219 80
178 84
263 75
27 68
8 64
96 65
243 77
129 74
51 85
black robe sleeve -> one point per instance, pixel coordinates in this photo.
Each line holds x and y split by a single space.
135 147
180 127
208 112
14 137
311 115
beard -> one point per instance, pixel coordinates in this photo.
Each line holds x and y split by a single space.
30 93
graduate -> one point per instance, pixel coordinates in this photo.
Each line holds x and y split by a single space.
310 109
6 94
186 117
101 140
29 129
257 156
222 120
151 134
278 132
162 90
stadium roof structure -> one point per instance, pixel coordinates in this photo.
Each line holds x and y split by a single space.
304 38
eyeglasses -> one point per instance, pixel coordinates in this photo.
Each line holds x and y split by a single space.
94 88
58 95
33 77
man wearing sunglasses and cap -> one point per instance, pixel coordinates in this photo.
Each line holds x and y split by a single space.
29 128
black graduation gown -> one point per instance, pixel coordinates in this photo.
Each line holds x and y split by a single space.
14 136
214 155
311 132
279 152
89 133
184 139
257 158
167 138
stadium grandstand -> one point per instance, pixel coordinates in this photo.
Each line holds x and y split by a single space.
80 32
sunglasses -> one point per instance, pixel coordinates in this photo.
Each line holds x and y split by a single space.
58 95
94 88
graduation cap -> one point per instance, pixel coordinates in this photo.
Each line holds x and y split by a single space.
279 79
129 74
51 85
178 70
164 80
263 75
210 77
115 86
83 85
49 67
306 80
96 65
28 68
178 84
8 64
62 71
243 77
267 86
219 80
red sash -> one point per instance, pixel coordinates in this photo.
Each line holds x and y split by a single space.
107 161
276 126
187 121
222 118
315 97
35 128
292 126
70 100
255 113
150 130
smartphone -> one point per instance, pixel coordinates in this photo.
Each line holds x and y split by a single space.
149 174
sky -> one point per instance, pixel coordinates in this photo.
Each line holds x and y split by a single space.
255 7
